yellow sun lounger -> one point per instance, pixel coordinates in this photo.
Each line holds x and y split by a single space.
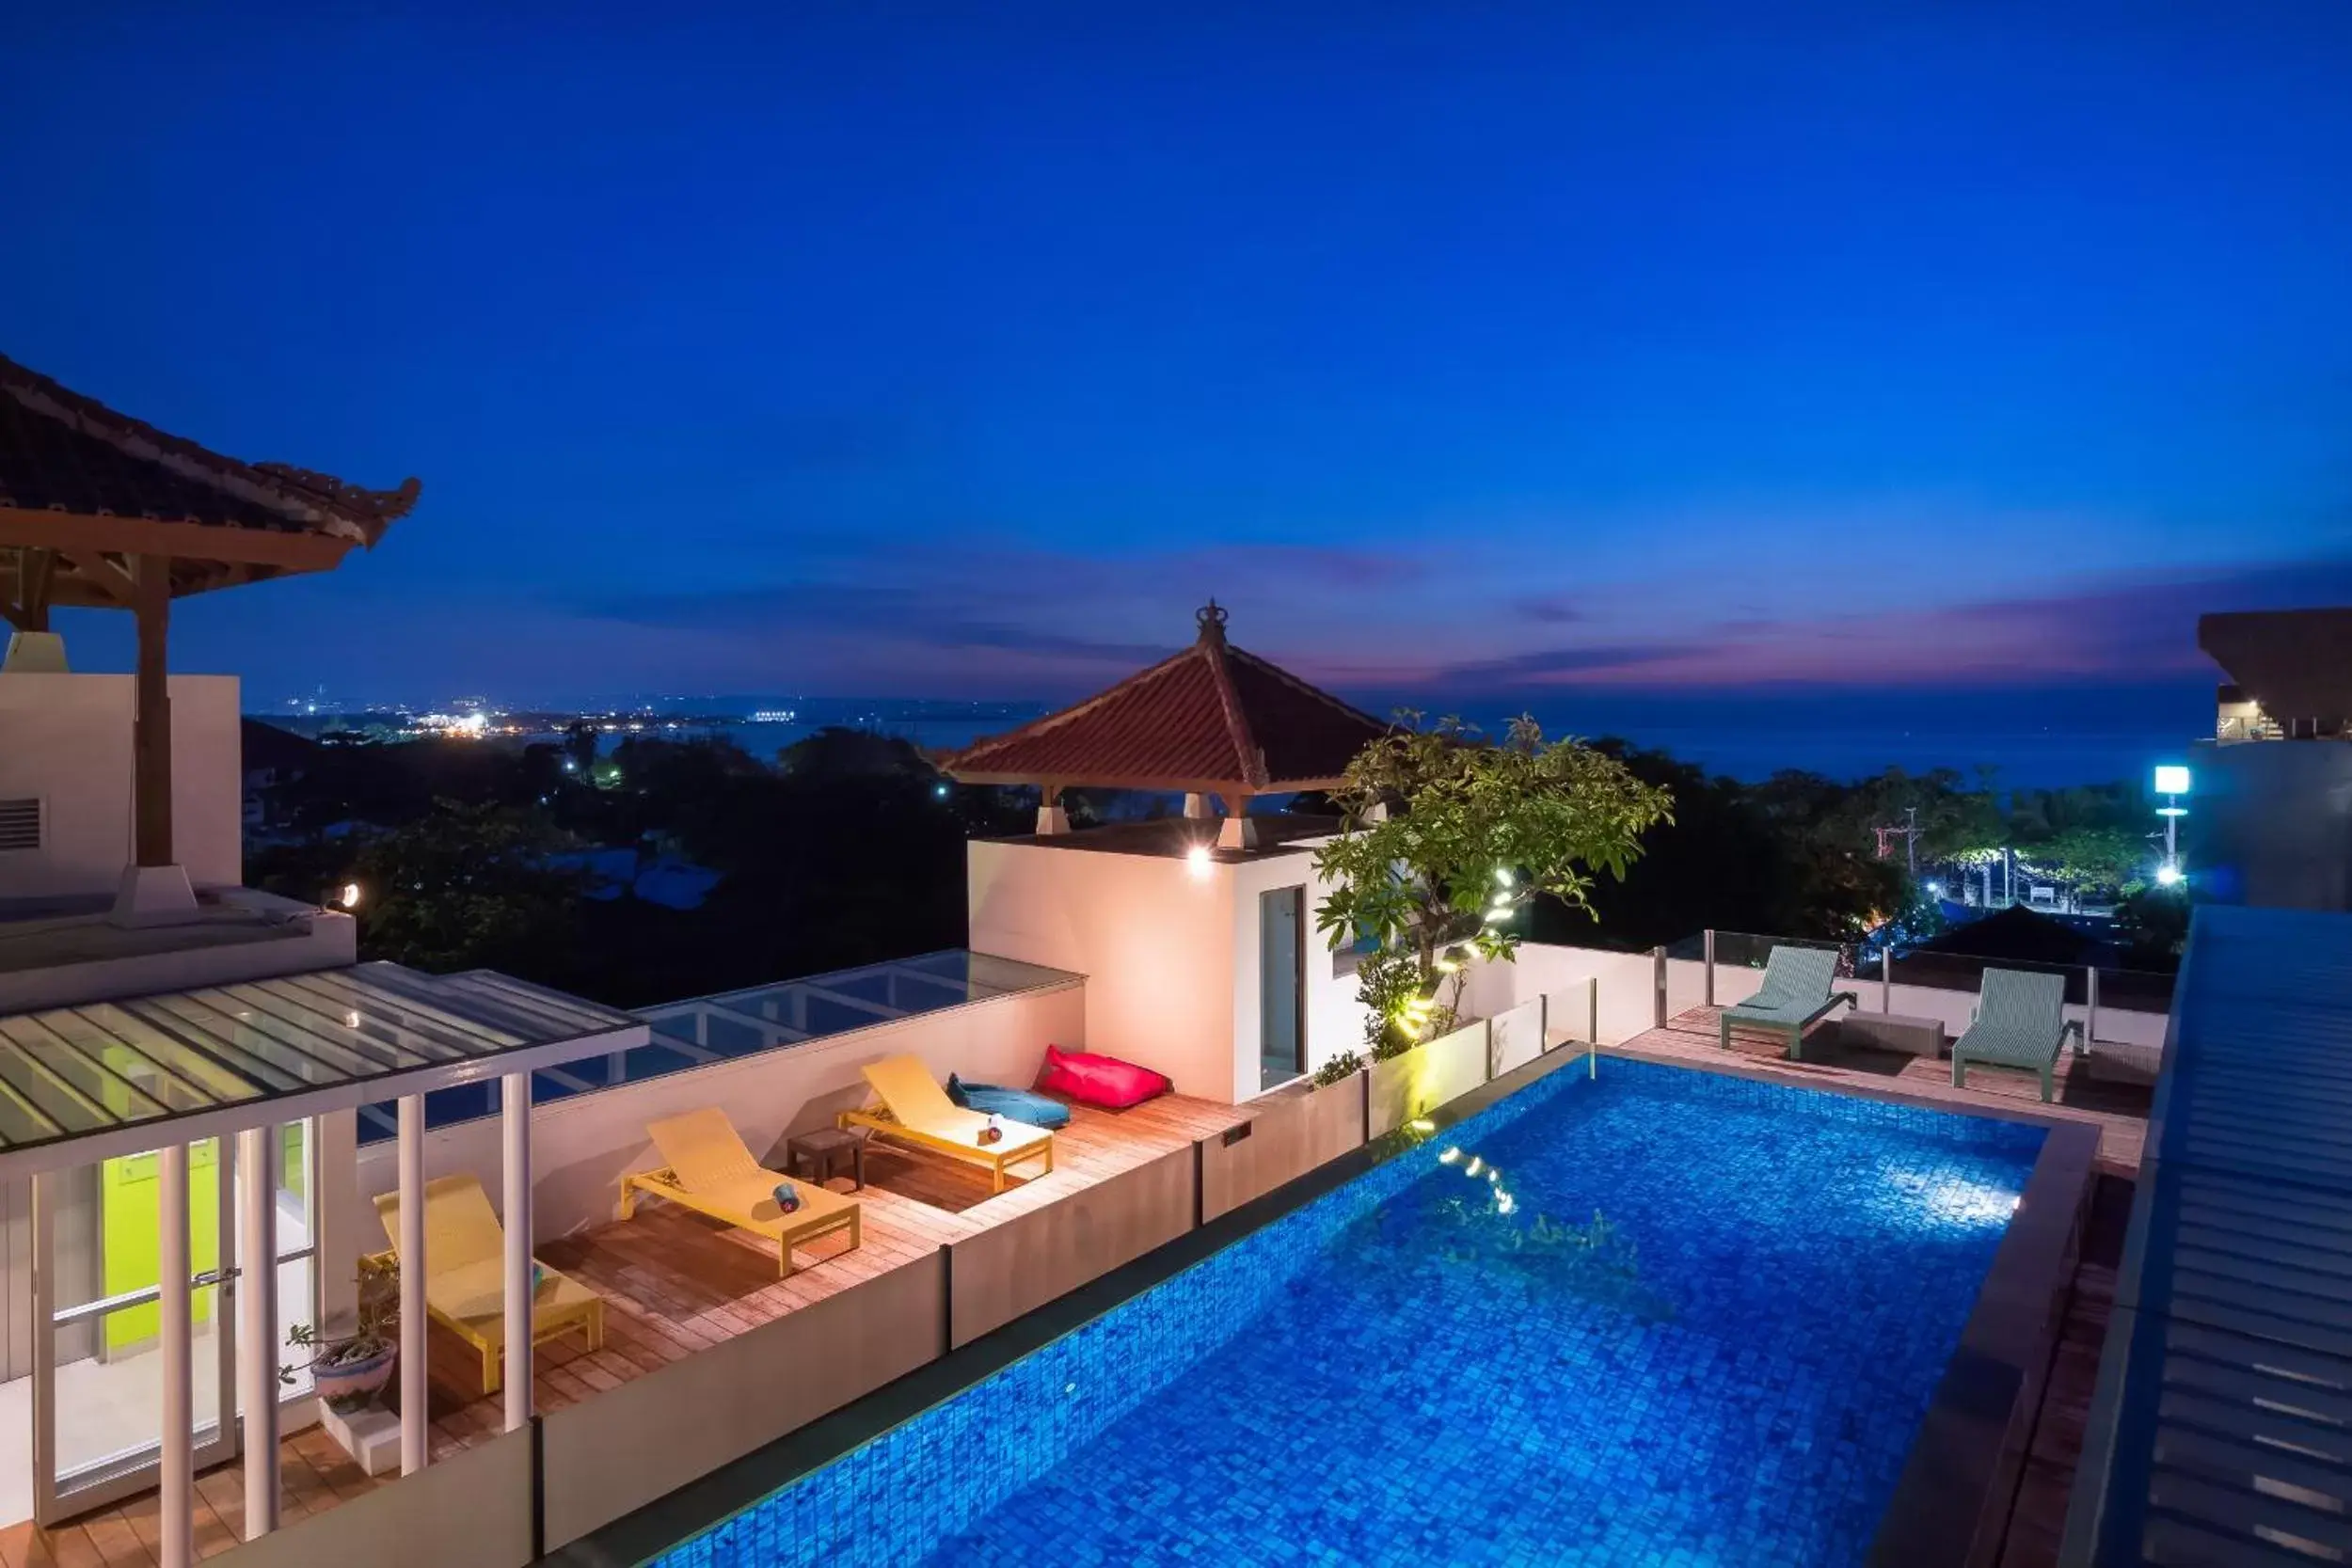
465 1277
710 1172
915 1110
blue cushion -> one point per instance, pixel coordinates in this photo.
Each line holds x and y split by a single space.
1030 1110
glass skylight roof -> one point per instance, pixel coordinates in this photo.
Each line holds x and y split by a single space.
317 1041
760 1018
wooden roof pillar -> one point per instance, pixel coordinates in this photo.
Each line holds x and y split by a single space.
1051 816
150 741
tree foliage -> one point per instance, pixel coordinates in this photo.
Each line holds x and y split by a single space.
468 886
2088 857
1446 838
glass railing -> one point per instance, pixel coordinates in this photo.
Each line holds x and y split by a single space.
2126 990
777 1017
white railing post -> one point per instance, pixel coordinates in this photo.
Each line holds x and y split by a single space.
415 1418
514 1115
256 1325
176 1500
1710 966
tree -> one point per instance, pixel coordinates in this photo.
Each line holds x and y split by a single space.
1444 841
2151 926
2093 857
468 886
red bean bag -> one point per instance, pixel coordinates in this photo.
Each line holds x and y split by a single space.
1103 1081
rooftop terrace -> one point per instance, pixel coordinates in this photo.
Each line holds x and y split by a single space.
674 1285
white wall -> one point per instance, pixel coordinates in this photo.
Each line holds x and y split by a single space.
1335 1020
67 739
1625 991
1154 935
582 1145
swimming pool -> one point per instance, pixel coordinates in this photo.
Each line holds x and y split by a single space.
1663 1315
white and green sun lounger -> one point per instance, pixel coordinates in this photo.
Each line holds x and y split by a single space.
2020 1022
1795 996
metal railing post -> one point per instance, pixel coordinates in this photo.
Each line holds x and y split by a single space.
1657 966
1592 1026
1710 966
2091 1008
1887 978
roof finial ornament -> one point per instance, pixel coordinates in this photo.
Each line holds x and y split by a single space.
1211 617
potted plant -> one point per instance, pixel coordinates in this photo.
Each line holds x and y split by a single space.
348 1370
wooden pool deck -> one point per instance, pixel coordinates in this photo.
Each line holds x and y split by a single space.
673 1283
2107 1089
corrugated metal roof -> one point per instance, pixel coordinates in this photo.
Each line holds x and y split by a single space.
90 1082
2222 1430
1211 717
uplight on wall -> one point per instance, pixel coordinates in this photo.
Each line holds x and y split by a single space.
1197 861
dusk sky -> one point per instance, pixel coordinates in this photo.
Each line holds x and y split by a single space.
886 350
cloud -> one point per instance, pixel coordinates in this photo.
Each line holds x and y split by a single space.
927 618
1550 610
2120 627
1552 663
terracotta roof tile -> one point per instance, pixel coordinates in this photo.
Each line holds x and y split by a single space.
62 451
1212 719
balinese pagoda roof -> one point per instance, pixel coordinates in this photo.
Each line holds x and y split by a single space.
78 477
1212 719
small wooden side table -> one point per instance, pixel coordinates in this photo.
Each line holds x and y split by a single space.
823 1152
1920 1036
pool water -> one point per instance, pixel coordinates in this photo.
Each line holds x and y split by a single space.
1660 1317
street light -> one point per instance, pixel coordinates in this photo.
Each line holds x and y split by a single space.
2172 783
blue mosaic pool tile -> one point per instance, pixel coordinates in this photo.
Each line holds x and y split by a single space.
1695 1320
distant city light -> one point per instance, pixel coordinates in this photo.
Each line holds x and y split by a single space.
940 790
2171 779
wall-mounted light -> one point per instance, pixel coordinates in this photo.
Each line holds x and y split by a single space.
1197 861
348 896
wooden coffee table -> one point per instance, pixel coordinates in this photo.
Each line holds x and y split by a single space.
1919 1036
823 1152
